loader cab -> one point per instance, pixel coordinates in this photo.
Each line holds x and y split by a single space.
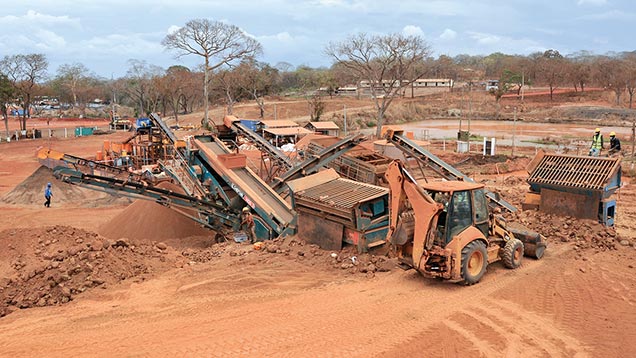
464 205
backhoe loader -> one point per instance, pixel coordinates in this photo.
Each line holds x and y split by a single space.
445 229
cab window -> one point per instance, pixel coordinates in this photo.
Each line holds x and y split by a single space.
481 206
461 215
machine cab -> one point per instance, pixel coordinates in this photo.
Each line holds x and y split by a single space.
464 205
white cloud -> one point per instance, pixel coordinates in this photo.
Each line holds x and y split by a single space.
280 37
172 29
484 38
121 44
346 4
610 15
448 34
35 19
592 2
50 39
412 30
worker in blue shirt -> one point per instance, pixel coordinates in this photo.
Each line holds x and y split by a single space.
47 195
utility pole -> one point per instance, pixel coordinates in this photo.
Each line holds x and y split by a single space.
522 83
514 131
633 136
113 101
470 105
344 111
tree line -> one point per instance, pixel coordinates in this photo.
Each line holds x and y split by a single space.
231 73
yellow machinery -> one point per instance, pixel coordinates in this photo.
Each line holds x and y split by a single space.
445 229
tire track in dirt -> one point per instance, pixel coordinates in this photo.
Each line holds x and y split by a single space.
518 341
341 319
543 331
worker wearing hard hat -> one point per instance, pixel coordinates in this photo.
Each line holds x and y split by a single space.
615 144
597 143
247 224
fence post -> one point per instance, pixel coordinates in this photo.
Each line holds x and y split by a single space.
65 133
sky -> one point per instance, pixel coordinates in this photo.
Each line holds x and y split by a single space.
104 34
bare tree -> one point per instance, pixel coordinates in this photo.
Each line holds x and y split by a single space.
141 85
611 73
71 77
630 76
217 42
316 106
550 70
257 79
229 87
386 63
171 87
6 96
25 72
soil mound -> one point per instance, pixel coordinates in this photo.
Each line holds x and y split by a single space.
51 265
147 220
31 193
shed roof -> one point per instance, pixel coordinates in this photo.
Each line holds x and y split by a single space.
326 125
278 123
282 132
451 185
582 172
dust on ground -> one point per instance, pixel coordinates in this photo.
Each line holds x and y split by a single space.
188 295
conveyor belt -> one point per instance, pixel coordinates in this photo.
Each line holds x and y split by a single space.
264 146
245 182
439 166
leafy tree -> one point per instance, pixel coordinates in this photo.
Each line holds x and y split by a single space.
217 42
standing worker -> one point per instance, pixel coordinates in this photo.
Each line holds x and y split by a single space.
615 144
597 143
47 195
247 224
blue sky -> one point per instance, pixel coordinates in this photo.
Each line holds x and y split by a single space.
104 34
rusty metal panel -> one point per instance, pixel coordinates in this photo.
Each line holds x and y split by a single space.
324 233
580 172
565 203
342 193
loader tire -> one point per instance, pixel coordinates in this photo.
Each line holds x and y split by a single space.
474 262
512 253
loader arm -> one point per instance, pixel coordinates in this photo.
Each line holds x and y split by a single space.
404 188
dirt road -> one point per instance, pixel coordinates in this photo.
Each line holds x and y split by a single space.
573 303
555 307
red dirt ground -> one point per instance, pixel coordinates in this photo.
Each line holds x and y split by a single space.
185 296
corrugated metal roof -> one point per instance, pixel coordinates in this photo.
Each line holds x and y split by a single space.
592 173
342 193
